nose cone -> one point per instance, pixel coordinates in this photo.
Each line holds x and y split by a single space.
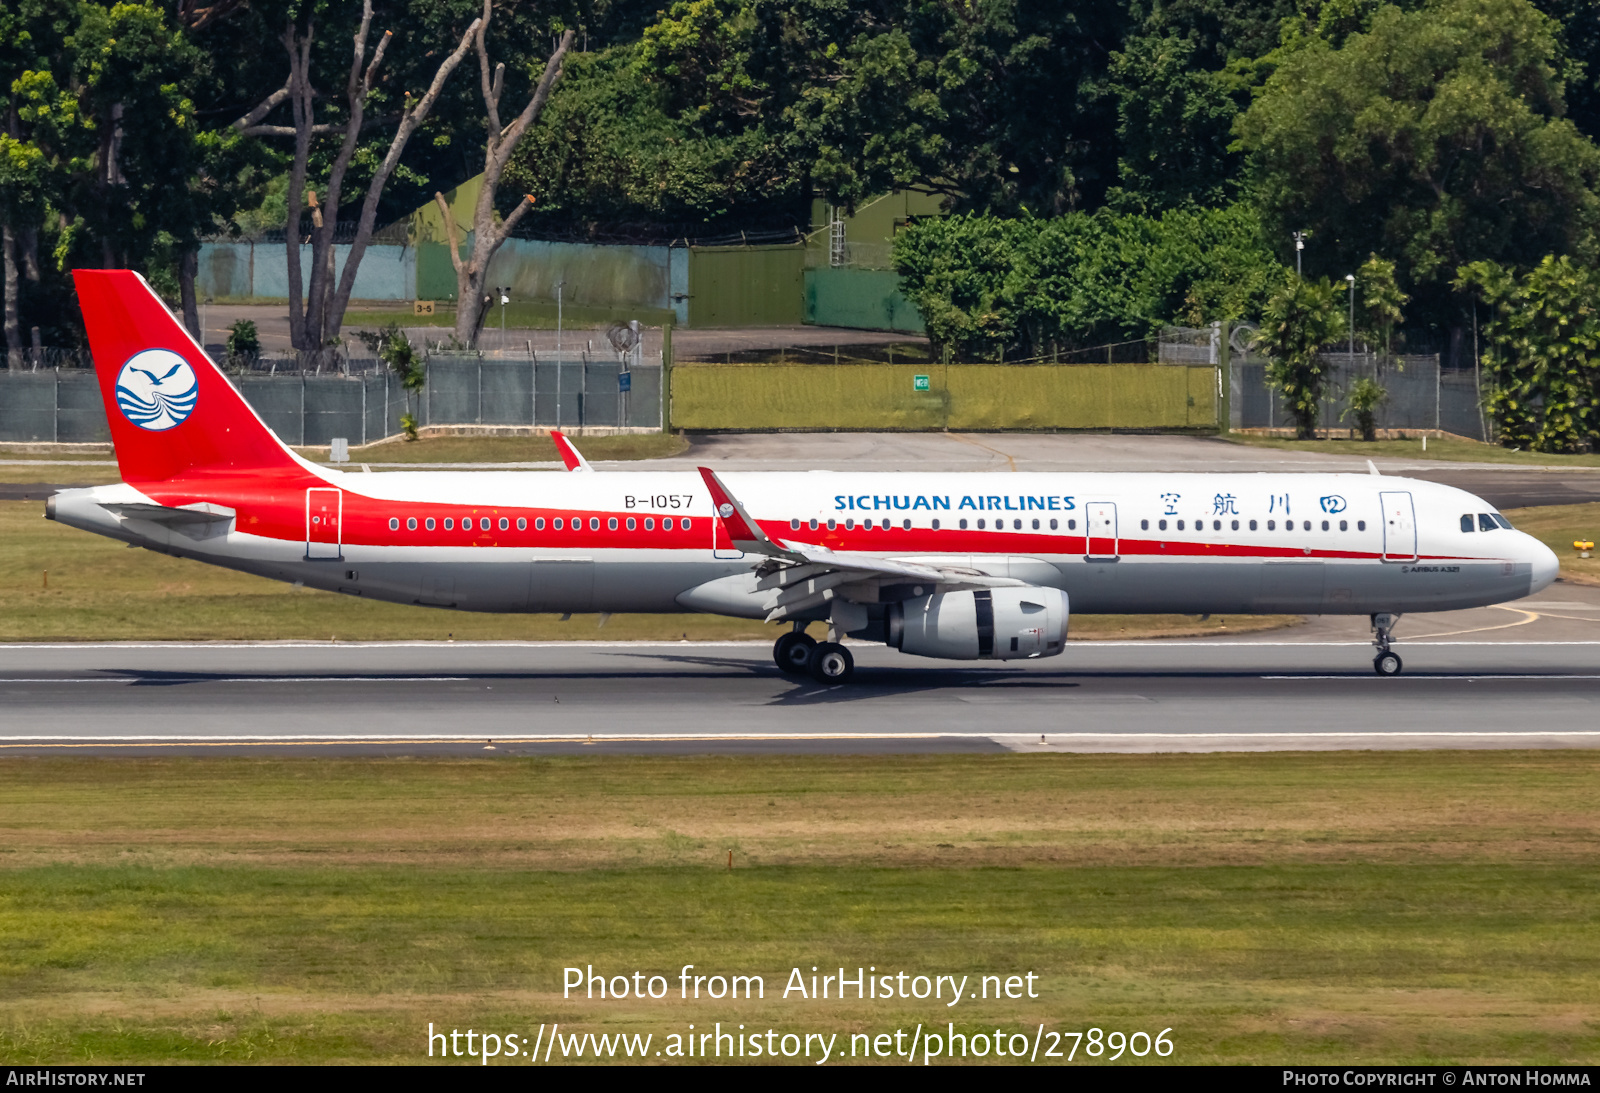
1545 565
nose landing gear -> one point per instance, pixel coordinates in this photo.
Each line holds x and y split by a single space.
1387 662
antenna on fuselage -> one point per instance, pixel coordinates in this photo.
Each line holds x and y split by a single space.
1373 467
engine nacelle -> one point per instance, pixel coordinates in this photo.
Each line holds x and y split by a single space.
989 624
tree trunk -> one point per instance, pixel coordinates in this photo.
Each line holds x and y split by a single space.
13 317
369 207
487 236
188 269
299 48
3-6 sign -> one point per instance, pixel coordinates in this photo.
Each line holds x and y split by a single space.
920 383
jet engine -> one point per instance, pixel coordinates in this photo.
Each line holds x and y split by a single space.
987 624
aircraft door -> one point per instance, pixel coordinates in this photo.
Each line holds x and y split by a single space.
1100 525
1399 527
324 510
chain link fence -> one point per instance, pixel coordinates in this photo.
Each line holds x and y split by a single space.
360 399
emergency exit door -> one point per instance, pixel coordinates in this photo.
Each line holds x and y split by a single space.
1100 525
324 512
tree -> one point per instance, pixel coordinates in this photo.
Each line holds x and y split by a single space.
1366 395
500 142
1435 137
316 310
1542 355
395 350
1381 301
1300 318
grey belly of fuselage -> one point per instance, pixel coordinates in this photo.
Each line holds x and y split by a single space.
600 584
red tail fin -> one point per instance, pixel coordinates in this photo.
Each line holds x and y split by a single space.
170 409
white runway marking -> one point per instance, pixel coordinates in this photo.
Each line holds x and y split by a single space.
249 679
1356 674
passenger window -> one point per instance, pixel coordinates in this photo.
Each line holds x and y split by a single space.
411 524
611 524
1344 525
538 523
794 524
1288 525
1361 525
632 523
1072 525
1324 525
1306 525
1466 522
428 523
1252 525
666 523
1272 525
813 523
980 524
1485 522
449 524
649 523
1216 525
1162 525
1144 525
1180 525
483 523
505 525
832 525
1236 525
1036 524
394 523
685 523
906 525
1016 525
850 524
556 523
594 523
963 523
1053 525
522 523
466 523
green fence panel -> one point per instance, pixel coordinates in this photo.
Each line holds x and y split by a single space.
746 286
959 396
860 299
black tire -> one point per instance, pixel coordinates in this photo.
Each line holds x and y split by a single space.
832 663
1387 664
793 653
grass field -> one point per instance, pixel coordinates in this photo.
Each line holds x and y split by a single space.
100 590
1337 907
508 449
1558 527
1447 449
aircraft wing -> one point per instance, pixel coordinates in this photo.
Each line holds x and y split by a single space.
803 576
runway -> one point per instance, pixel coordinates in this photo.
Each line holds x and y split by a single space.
1527 675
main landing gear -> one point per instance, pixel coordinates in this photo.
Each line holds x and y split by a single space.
799 654
1387 662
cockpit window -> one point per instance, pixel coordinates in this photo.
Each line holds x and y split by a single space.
1502 521
1486 522
1466 522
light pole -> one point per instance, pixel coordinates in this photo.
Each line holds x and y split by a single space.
1299 245
1352 279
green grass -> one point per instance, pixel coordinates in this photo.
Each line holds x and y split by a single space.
1558 527
1448 449
1336 907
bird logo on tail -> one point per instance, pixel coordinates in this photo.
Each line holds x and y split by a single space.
157 390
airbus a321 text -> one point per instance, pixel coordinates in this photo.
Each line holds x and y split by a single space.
955 566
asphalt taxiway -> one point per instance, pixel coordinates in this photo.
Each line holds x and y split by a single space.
1522 675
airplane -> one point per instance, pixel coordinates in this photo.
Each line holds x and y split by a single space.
955 566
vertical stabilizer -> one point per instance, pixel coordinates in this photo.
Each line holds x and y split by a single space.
171 410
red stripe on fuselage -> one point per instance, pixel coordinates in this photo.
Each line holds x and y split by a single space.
272 506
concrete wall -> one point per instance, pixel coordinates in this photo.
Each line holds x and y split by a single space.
259 270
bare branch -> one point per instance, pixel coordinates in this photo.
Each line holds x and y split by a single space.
353 84
450 226
513 133
265 107
491 100
503 232
377 59
289 130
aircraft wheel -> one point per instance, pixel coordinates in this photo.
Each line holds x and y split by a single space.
793 652
832 663
1387 664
